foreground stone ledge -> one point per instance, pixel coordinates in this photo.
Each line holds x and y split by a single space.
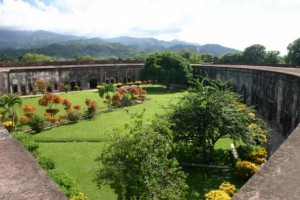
279 178
21 177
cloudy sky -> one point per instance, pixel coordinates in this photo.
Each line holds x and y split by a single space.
232 23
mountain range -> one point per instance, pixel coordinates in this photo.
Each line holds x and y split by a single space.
16 43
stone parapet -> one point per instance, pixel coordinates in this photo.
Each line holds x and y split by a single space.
21 177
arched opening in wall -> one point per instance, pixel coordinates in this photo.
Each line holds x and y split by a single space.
107 81
79 84
49 88
30 88
72 85
129 79
15 89
112 81
23 89
93 84
55 86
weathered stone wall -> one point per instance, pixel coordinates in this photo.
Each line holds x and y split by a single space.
18 80
276 96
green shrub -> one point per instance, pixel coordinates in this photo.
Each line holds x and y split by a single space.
37 123
256 155
27 141
79 196
228 188
217 195
246 169
64 181
46 163
73 116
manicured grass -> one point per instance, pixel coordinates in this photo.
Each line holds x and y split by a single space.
78 160
98 129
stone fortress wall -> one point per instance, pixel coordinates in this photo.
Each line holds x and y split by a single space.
20 79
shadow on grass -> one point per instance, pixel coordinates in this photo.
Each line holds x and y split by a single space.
201 181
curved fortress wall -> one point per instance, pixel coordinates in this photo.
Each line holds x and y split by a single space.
275 95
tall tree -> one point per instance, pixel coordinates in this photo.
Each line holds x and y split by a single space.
167 68
207 113
139 165
254 54
293 56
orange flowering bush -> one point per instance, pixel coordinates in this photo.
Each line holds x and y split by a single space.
24 120
77 107
91 108
48 100
67 103
28 110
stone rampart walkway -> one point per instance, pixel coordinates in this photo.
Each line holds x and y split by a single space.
21 177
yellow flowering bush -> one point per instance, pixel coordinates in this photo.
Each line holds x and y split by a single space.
241 106
245 169
7 124
228 188
251 115
79 196
217 195
258 155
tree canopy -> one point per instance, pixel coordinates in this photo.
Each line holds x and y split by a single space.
293 56
139 165
207 113
254 54
167 68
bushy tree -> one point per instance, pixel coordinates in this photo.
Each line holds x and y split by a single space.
139 165
254 54
231 58
272 58
167 68
293 56
207 113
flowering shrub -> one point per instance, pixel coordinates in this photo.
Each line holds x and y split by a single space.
256 155
91 108
48 100
241 106
28 110
24 120
79 196
258 134
67 103
245 169
228 188
77 107
217 195
8 125
122 90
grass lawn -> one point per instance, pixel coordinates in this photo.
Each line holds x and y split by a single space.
75 147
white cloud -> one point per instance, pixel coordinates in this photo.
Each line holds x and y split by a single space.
233 23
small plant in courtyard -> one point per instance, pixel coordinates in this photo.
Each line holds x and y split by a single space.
46 163
79 196
76 88
228 188
245 169
91 108
37 123
217 195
